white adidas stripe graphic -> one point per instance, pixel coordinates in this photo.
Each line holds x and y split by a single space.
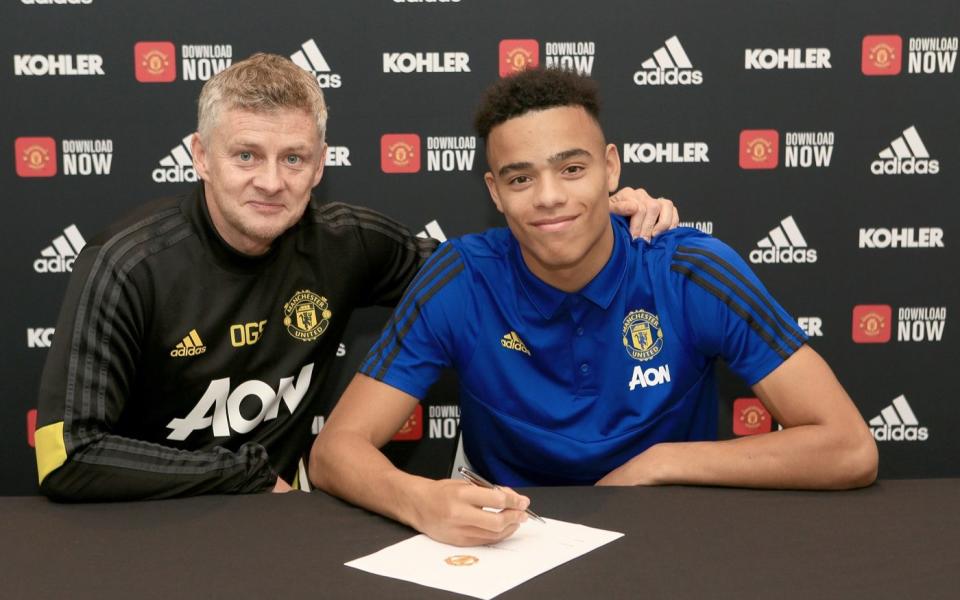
786 235
66 245
898 413
180 155
908 145
309 58
670 56
432 230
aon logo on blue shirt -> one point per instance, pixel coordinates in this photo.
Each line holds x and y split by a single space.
649 377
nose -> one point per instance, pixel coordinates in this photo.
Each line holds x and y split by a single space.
268 178
550 192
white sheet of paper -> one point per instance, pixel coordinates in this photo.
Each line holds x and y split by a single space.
485 571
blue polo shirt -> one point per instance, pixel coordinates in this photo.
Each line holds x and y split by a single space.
561 388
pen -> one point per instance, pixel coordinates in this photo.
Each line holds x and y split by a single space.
481 482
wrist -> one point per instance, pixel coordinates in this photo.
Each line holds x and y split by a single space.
656 465
411 494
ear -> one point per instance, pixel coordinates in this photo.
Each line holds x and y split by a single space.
199 156
319 172
612 159
492 188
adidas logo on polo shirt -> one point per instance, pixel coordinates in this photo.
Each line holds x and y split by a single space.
58 257
177 166
310 59
784 244
191 345
897 423
512 341
670 65
906 155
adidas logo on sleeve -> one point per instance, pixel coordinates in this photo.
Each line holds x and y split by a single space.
906 155
177 166
898 423
310 59
58 257
784 244
669 65
191 345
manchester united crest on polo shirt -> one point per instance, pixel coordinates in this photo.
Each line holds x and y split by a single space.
642 335
306 315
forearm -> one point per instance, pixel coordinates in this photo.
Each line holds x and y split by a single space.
802 457
347 465
120 469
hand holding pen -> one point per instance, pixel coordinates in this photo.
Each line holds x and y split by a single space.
479 481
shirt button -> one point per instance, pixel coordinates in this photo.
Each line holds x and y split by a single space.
579 330
584 368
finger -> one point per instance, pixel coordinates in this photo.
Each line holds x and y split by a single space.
622 203
676 218
667 212
649 221
513 500
499 498
493 524
637 220
471 536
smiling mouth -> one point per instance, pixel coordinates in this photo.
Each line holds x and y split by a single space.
266 206
554 224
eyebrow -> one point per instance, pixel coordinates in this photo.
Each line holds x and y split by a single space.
558 157
299 148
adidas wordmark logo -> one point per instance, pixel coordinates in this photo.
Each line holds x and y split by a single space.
177 166
58 257
512 341
906 155
897 423
191 345
309 58
669 66
784 244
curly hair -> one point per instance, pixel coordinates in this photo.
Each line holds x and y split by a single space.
534 89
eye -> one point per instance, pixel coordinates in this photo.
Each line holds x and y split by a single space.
573 169
293 159
245 156
518 180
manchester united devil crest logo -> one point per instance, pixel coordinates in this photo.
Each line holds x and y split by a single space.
306 316
642 336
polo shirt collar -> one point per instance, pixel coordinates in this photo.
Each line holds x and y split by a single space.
600 290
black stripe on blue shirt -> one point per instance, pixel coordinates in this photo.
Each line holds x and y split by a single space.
441 268
726 299
769 313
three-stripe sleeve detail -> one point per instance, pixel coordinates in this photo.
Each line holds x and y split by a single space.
337 214
90 358
742 296
442 268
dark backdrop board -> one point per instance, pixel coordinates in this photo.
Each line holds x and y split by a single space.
707 103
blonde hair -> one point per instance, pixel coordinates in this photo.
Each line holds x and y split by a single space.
260 83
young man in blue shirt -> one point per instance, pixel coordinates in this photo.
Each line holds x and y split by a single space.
583 356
